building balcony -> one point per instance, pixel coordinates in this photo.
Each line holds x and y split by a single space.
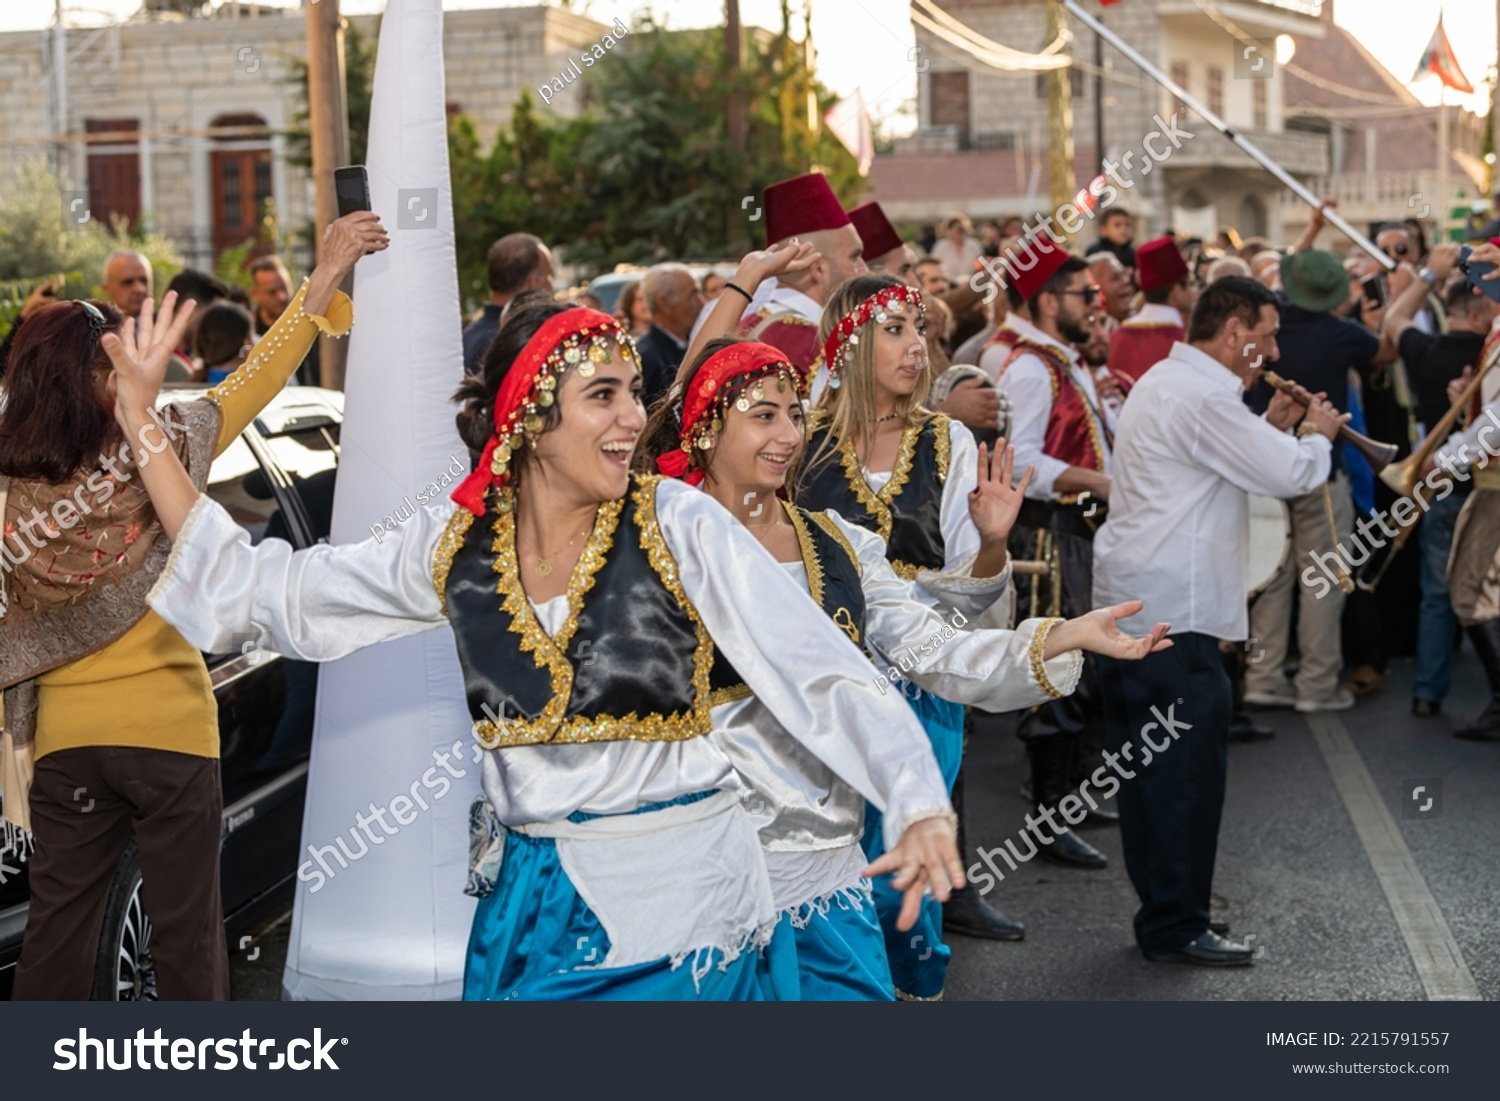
1299 154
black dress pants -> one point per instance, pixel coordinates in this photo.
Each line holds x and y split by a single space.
1166 721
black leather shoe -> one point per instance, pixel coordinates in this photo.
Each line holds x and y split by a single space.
968 914
1244 730
1209 950
1426 709
1098 819
1073 852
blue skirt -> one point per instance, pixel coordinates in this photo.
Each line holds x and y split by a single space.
841 950
918 957
535 939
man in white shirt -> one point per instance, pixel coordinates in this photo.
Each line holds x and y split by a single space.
1188 454
1059 426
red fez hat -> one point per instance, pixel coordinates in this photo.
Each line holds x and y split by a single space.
875 230
801 205
1031 261
1159 263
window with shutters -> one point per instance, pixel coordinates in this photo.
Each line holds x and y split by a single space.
114 167
949 93
240 167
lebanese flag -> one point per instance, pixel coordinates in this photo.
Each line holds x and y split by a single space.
1438 58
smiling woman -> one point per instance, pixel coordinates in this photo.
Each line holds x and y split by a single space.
599 763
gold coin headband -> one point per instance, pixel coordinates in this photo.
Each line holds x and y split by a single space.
879 307
735 374
576 338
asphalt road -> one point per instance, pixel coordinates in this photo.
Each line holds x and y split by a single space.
1292 871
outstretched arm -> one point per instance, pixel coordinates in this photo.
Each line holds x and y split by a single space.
753 270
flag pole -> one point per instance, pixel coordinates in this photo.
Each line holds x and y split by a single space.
1248 147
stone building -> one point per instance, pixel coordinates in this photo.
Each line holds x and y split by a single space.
178 120
981 146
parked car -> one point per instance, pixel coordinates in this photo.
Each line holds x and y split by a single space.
276 480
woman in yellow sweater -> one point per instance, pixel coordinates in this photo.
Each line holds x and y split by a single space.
115 705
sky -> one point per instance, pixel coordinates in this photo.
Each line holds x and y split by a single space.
865 44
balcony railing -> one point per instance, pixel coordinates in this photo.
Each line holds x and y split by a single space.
1301 154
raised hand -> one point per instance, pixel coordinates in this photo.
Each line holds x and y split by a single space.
140 354
1098 632
758 266
349 238
926 855
1487 254
995 503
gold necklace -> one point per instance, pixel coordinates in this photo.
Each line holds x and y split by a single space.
543 564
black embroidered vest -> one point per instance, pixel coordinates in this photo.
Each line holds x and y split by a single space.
632 661
907 512
833 581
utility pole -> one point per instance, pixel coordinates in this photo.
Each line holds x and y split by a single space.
1059 124
1099 95
737 122
328 122
60 92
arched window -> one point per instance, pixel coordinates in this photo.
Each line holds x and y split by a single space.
240 166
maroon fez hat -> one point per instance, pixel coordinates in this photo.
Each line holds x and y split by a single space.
1159 263
801 205
1032 261
875 230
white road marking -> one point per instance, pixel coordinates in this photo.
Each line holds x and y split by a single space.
1435 954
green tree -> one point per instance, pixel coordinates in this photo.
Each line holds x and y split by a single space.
36 243
359 84
668 181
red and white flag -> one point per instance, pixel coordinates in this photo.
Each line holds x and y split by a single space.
850 123
1438 59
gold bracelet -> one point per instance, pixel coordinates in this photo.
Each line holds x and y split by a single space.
1305 430
1038 663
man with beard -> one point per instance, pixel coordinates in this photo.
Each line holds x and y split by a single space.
1062 427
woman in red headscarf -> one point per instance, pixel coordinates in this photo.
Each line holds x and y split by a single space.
630 869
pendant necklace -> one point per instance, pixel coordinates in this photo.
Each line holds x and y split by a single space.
543 564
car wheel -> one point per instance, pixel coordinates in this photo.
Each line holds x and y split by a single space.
123 969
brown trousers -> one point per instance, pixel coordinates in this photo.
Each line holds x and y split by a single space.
86 805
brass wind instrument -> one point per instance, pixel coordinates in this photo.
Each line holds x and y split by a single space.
1376 453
